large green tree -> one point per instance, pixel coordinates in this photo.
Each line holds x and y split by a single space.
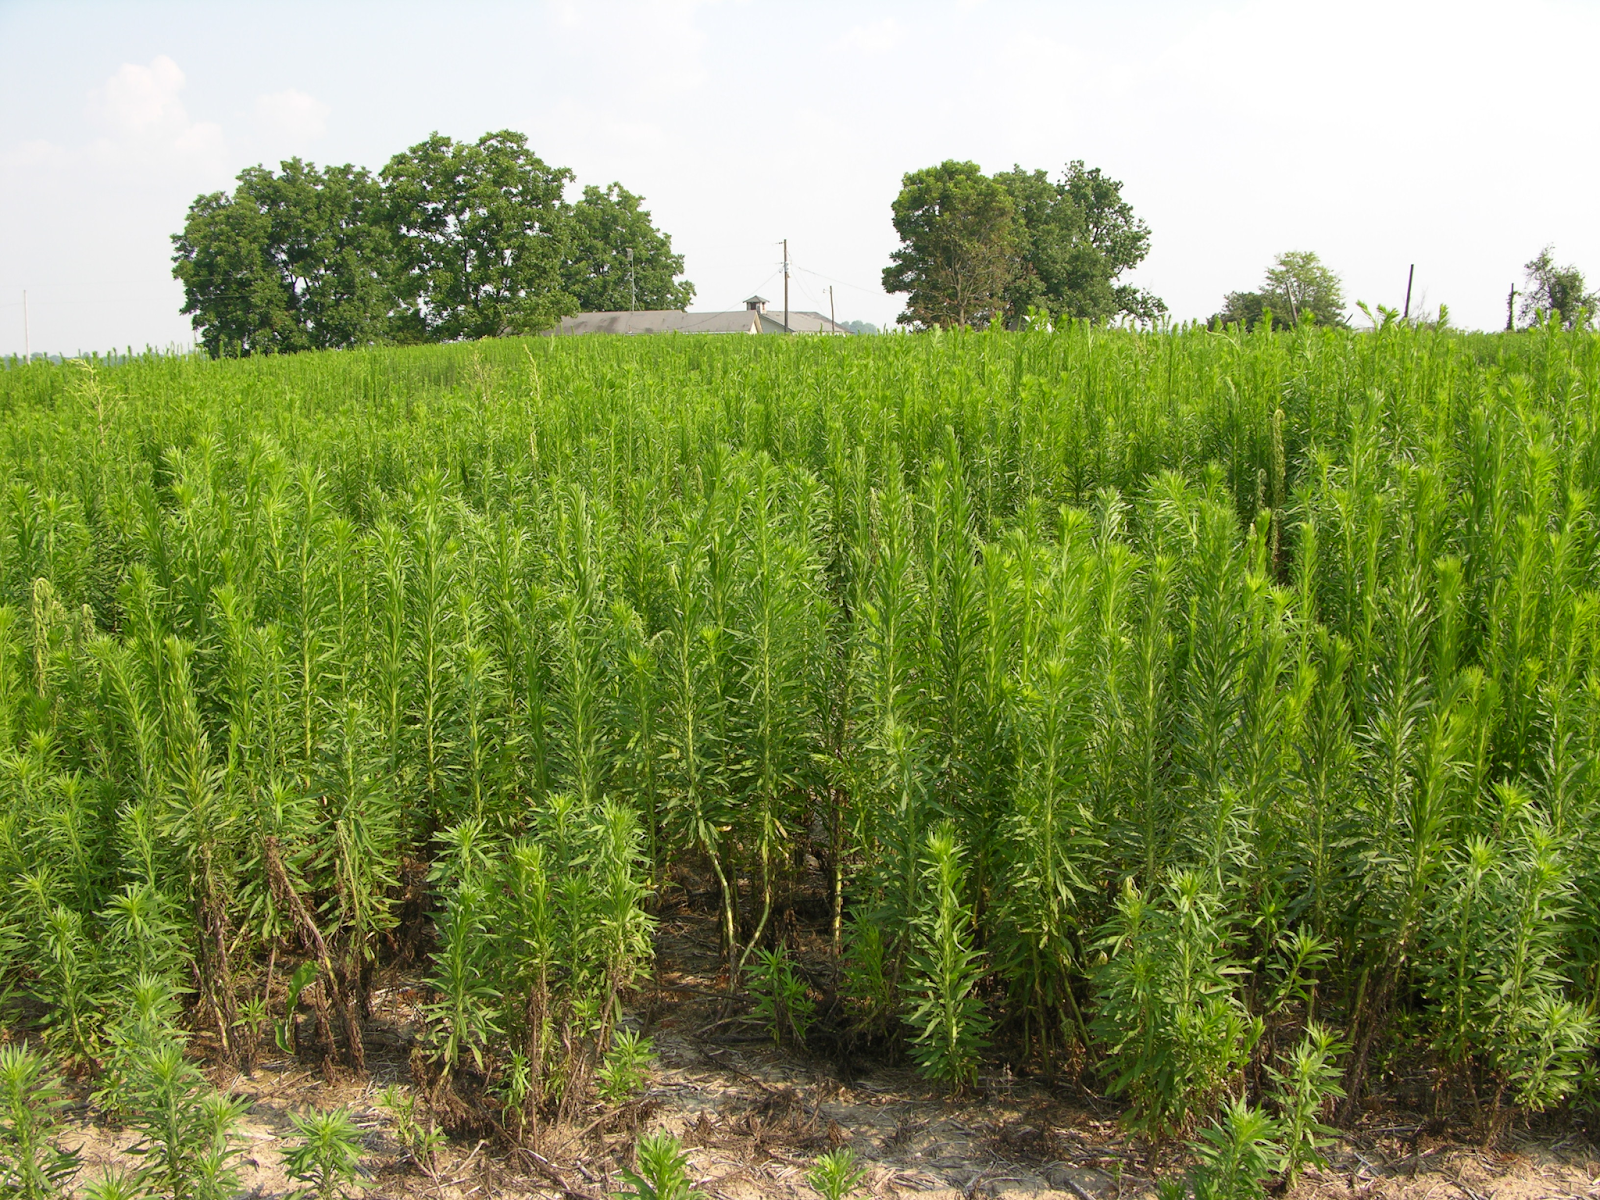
1298 287
237 300
959 246
453 240
1553 289
975 249
617 259
287 261
480 236
1078 236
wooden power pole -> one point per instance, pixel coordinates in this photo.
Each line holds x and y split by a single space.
833 318
1410 275
786 285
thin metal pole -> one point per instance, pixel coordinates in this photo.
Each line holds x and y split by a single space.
1410 275
833 318
633 292
786 285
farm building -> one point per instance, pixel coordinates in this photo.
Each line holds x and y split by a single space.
752 318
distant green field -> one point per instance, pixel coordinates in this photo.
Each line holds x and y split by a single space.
1133 704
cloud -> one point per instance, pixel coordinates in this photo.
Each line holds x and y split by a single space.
876 38
139 110
291 114
655 48
138 100
35 154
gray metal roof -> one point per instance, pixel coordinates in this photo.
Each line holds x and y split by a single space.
745 320
800 321
665 321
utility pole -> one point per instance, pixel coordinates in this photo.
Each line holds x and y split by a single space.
833 318
1511 302
1410 275
27 350
633 292
786 285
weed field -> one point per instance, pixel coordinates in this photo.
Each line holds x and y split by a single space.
1209 720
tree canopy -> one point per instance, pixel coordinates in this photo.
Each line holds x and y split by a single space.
617 259
959 244
451 240
293 261
1297 287
1078 236
1558 291
975 249
479 232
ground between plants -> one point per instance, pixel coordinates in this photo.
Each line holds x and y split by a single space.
753 1117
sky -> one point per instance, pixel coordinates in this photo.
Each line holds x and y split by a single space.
1460 137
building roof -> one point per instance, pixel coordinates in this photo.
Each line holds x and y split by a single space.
664 321
800 321
747 320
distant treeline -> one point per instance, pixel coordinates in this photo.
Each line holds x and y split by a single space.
449 240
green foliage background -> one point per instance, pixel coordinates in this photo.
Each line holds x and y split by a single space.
1273 652
450 241
976 249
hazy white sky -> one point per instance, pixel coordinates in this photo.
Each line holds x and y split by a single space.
1459 136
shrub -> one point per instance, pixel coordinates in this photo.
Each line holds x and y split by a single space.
1235 1155
1302 1089
1175 1034
32 1167
663 1171
421 1141
626 1067
328 1155
836 1174
186 1127
116 1184
946 1014
782 1002
867 986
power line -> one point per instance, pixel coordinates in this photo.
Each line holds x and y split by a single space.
766 281
841 282
807 294
63 303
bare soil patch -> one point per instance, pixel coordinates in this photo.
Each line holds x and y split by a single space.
754 1116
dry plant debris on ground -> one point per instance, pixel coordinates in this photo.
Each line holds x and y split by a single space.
753 1118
